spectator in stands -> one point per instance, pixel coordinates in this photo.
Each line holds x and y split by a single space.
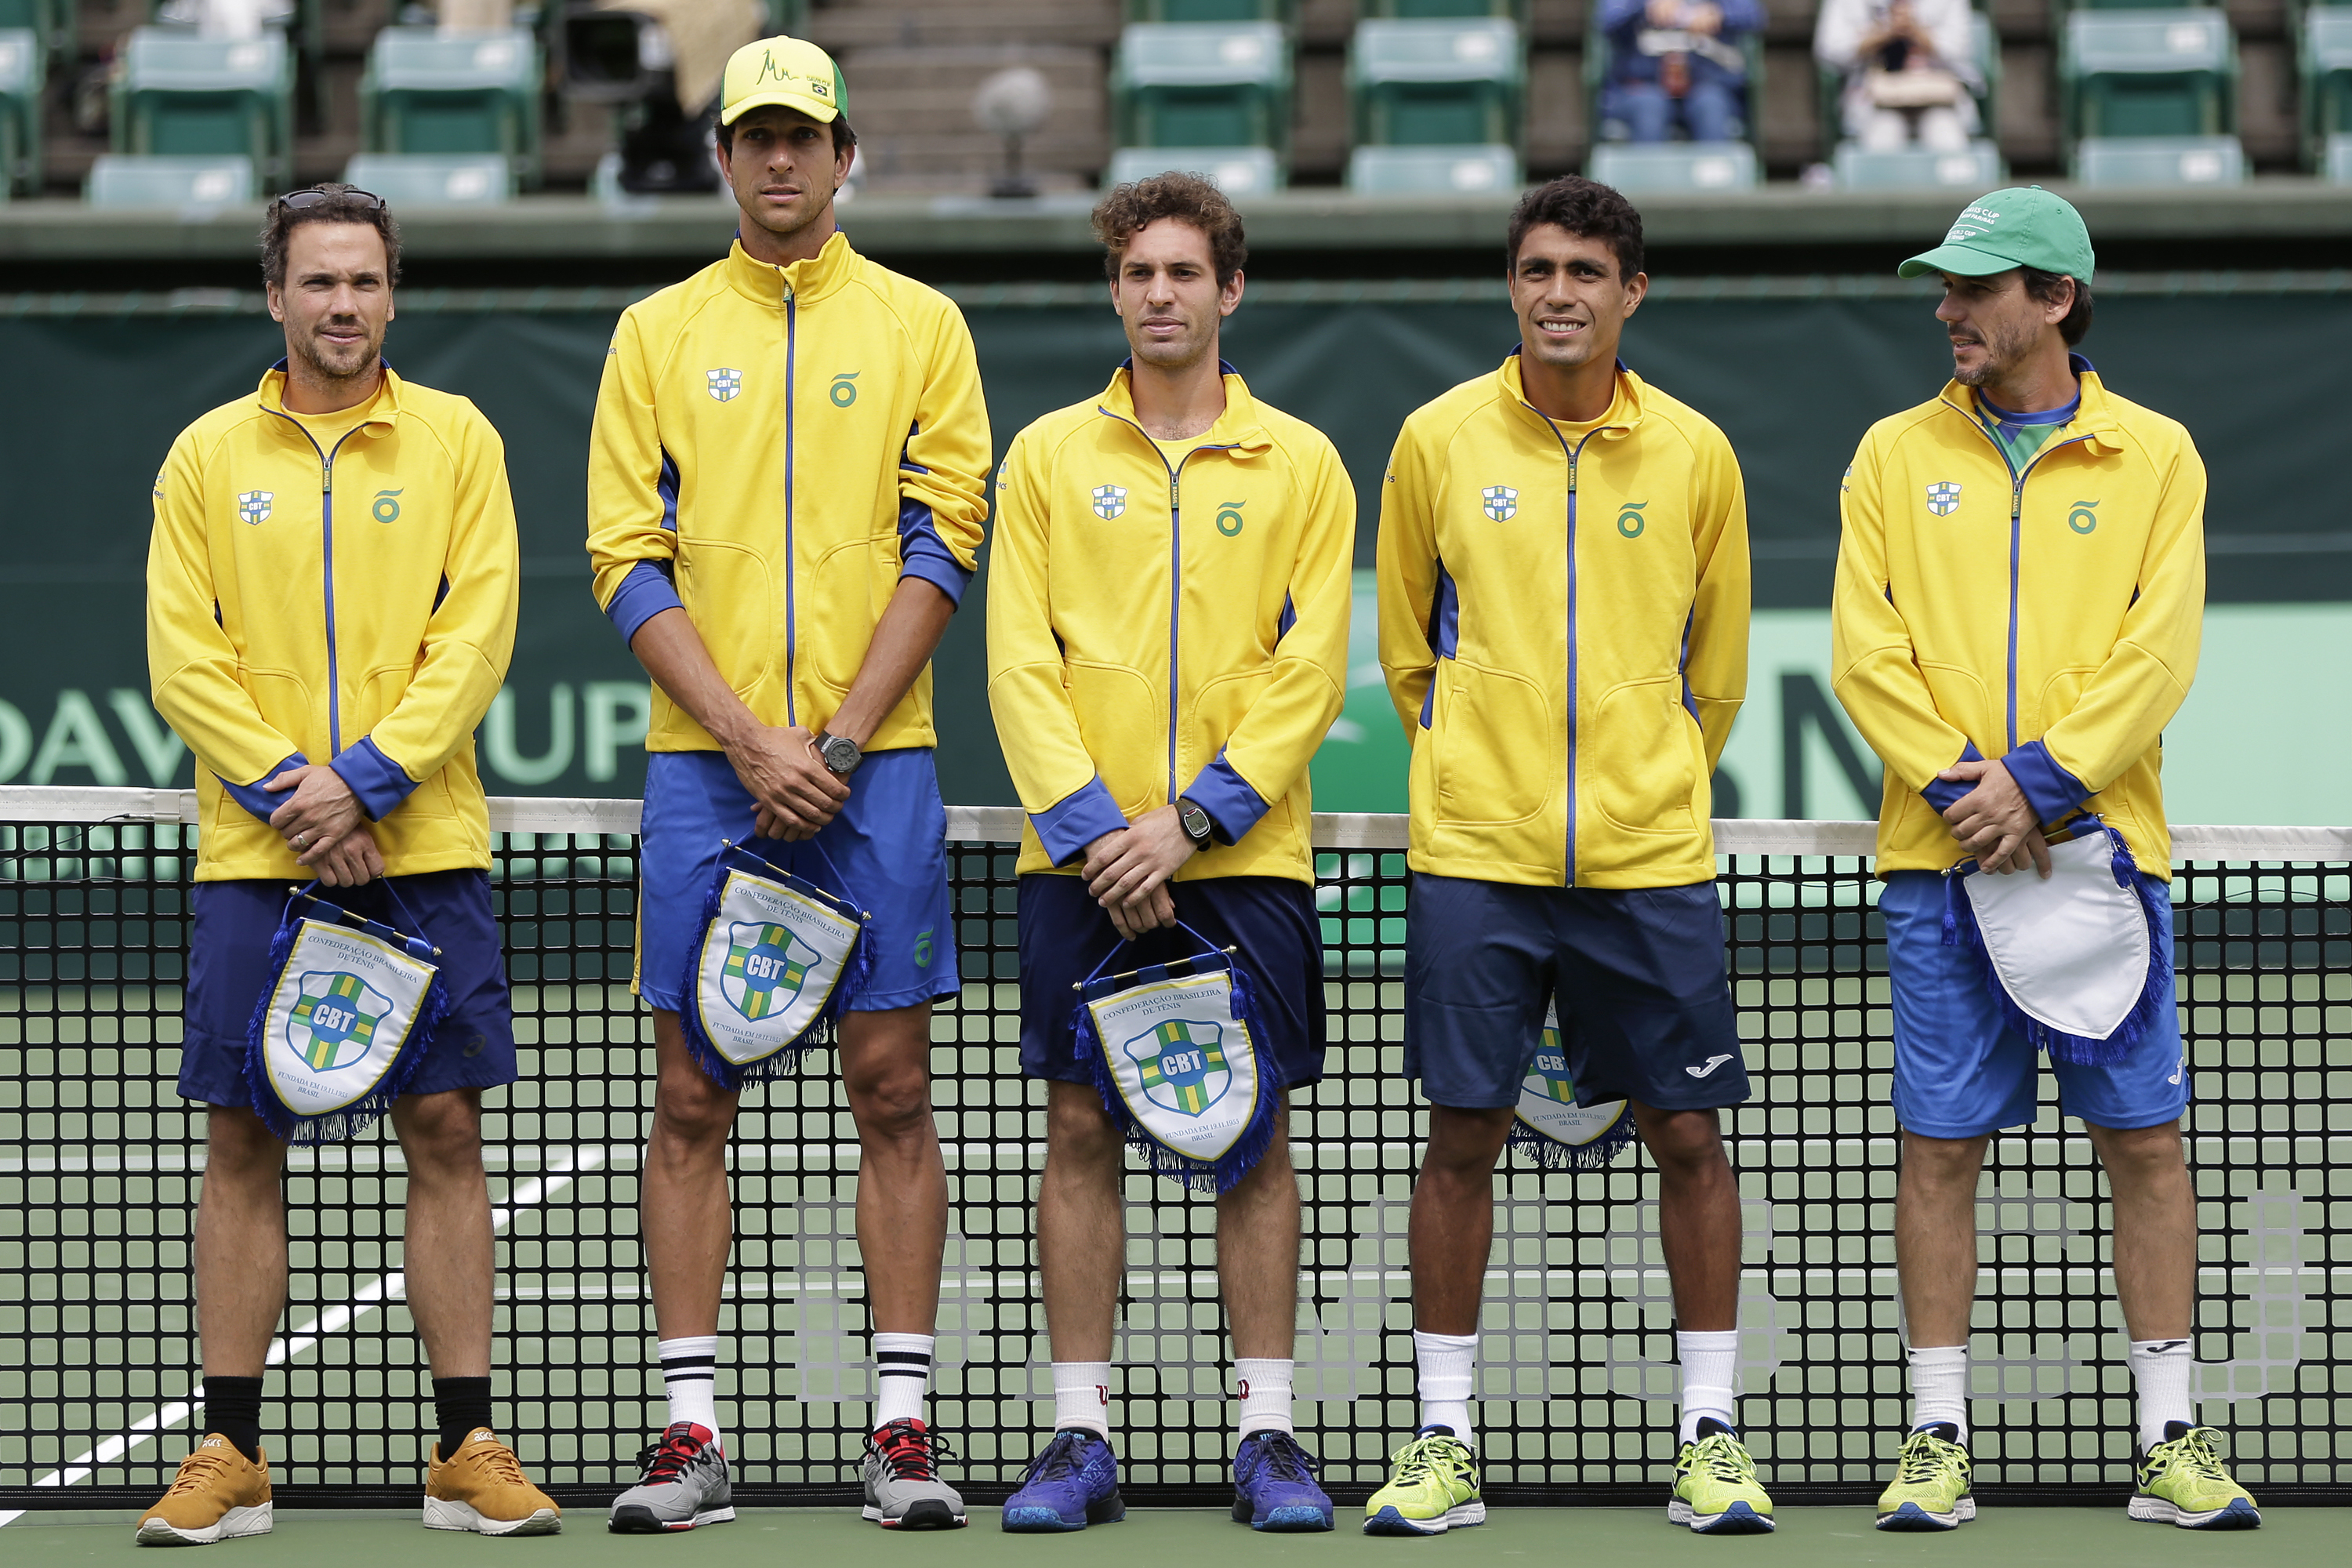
1678 62
1910 71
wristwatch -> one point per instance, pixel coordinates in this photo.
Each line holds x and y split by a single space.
840 754
1194 821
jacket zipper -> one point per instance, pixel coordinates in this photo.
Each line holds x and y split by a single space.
2016 538
791 355
327 544
1573 453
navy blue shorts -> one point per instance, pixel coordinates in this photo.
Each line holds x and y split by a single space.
228 968
886 852
1637 973
1960 1071
1064 933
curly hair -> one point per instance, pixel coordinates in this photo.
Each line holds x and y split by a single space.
1586 209
342 206
1188 199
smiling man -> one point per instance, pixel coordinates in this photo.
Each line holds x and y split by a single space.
1563 589
332 576
1167 647
2020 588
786 488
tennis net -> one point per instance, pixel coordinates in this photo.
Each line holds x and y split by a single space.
99 1162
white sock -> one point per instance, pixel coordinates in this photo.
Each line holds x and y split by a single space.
1710 1360
902 1375
2161 1372
1939 1386
1447 1369
1082 1397
690 1368
1265 1394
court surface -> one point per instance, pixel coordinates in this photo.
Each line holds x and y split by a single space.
1178 1538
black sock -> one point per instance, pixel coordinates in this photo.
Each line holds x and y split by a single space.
233 1409
460 1404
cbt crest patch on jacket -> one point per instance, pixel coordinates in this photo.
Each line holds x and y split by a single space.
1943 500
725 385
1110 501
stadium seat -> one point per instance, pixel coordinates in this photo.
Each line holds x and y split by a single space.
1410 10
2335 159
1437 83
178 95
1192 11
1697 166
430 180
197 183
1917 168
1831 85
1195 85
38 17
2323 54
1236 170
1477 170
2159 161
1596 81
24 67
428 92
2149 73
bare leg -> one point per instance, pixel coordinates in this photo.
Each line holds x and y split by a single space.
902 1182
1698 1215
1936 1235
2155 1228
1258 1251
447 1250
1453 1224
1082 1223
240 1250
687 1223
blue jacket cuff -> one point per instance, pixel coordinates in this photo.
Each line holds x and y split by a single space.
923 553
2052 792
379 782
1942 794
257 800
644 594
1233 805
1068 825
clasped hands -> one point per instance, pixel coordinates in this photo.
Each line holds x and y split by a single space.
1994 820
796 793
1127 868
321 822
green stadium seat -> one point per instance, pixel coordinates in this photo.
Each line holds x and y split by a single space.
1194 11
2335 159
1702 167
178 95
2159 161
1236 170
2149 73
24 67
1474 170
431 179
182 183
1421 10
1195 85
1915 168
429 92
1437 83
2323 54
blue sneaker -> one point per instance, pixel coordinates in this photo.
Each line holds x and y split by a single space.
1274 1485
1071 1485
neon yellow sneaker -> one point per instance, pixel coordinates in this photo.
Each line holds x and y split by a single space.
1716 1491
1434 1488
2183 1482
1930 1489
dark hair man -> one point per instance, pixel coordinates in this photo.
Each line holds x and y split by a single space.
786 488
332 576
1563 589
1167 647
2019 592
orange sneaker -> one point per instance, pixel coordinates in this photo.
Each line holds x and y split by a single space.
481 1487
217 1494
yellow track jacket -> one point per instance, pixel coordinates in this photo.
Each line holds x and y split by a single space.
355 606
1564 629
2049 618
774 447
1157 631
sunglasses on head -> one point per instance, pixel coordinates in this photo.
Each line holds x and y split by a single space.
295 200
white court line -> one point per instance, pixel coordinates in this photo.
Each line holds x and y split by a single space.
560 1175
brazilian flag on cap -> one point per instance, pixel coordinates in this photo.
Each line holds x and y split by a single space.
792 73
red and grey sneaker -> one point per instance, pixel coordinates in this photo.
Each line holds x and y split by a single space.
903 1489
685 1485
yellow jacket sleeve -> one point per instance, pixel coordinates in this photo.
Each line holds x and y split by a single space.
191 664
943 475
1406 567
632 497
1716 669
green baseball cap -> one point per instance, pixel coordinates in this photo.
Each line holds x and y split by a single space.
2023 226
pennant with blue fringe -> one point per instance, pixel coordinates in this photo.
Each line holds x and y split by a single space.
342 1024
778 960
1549 1127
1173 1051
2076 962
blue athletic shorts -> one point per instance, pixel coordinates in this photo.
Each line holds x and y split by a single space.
1638 973
1064 933
229 967
1960 1071
885 853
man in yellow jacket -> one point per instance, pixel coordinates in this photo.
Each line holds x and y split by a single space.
1167 647
1563 589
2020 588
330 605
786 488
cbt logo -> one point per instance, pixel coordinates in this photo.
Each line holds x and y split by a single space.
333 1024
726 385
1110 501
1183 1065
763 972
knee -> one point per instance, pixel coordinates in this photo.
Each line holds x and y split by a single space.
1684 1143
237 1143
688 1107
2140 1153
437 1130
1079 1131
892 1105
1942 1161
1463 1144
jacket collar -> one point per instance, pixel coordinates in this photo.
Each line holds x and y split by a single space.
381 417
2095 419
1238 426
807 281
1624 414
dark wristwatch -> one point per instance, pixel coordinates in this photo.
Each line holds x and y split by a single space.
840 754
1194 821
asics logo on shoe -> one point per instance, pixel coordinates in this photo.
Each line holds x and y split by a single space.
1712 1063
